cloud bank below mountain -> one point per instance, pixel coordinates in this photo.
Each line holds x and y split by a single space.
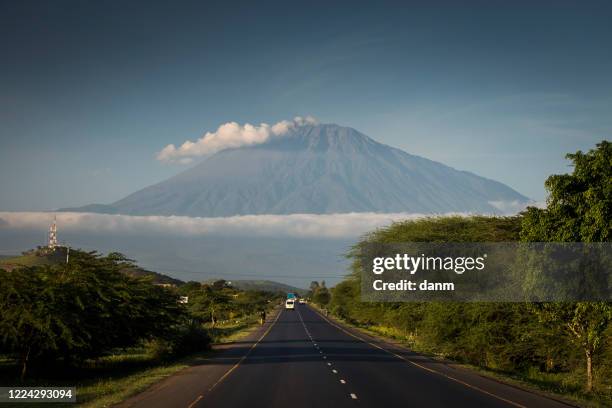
324 226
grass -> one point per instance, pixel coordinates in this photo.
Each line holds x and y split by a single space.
104 392
563 386
568 386
104 381
111 379
232 331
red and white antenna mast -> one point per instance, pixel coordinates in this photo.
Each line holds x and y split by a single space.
53 235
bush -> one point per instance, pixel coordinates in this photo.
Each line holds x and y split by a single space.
190 339
186 340
81 310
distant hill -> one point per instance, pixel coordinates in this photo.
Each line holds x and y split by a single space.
265 285
35 257
316 169
158 278
41 256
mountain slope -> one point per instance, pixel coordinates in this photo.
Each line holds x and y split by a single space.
315 169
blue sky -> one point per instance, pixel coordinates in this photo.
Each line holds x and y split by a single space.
91 90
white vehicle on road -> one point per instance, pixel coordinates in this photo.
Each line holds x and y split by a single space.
302 301
290 304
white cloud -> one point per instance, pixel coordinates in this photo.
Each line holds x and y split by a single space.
349 225
229 135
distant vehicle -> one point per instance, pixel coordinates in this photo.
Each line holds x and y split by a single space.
291 295
302 301
290 304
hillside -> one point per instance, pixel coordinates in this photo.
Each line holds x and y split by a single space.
40 257
35 257
263 285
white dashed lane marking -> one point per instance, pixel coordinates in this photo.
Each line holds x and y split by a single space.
315 345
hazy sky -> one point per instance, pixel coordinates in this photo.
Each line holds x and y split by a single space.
91 91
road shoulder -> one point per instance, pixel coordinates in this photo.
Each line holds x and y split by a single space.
187 386
513 394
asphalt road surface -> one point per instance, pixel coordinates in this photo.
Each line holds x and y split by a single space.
302 359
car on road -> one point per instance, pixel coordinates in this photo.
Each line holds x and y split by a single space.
302 301
290 304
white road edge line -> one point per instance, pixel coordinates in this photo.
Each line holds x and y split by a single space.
516 404
228 372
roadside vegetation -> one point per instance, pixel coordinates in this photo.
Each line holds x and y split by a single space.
89 323
565 348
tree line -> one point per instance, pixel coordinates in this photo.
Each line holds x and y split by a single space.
573 338
88 308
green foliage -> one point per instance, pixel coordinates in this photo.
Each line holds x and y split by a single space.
186 340
91 307
509 337
449 229
319 293
579 209
218 301
321 296
480 334
579 206
81 309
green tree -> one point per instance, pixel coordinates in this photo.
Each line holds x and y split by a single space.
209 302
579 209
81 309
496 335
321 296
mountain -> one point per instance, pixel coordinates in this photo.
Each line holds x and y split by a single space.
320 169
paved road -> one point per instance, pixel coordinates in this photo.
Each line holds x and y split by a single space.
302 359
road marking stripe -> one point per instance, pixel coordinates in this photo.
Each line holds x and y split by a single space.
516 404
196 401
228 372
353 396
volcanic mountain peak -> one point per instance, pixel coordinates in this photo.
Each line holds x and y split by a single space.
323 168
